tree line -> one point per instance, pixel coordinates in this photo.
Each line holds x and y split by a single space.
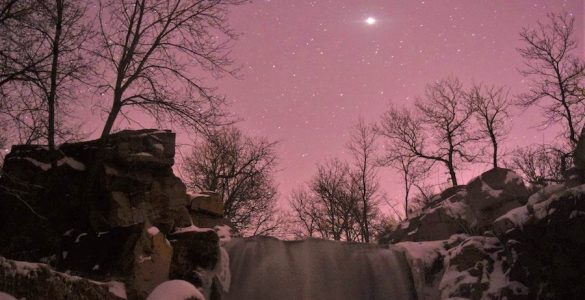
137 54
143 55
449 127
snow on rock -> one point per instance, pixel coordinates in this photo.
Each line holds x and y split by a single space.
490 191
191 228
422 257
537 208
4 296
71 162
152 230
175 290
224 232
477 269
117 288
545 193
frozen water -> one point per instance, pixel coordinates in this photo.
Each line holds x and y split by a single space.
266 268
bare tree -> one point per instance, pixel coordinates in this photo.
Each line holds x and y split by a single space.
327 208
43 61
555 72
155 48
364 179
438 131
540 165
240 169
18 55
491 106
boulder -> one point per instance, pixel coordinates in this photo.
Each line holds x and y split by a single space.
438 222
545 243
42 191
176 290
196 252
152 261
469 209
494 193
207 203
477 269
26 280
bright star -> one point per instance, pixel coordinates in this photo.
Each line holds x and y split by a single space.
370 21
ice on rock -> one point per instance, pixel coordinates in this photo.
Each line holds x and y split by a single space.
175 290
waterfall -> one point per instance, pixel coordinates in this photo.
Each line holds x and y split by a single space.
265 268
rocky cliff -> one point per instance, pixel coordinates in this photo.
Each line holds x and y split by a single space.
493 239
136 225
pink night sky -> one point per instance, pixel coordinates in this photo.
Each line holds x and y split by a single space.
310 69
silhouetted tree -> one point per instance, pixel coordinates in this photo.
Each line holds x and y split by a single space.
491 107
540 165
240 169
44 61
327 208
438 131
154 49
364 180
555 72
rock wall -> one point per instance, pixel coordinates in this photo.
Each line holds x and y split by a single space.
493 240
465 209
137 223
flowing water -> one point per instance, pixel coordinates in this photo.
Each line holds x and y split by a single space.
269 269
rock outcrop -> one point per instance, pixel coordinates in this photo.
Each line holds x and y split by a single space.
466 209
121 225
530 246
26 280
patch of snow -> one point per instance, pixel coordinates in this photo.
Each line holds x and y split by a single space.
404 225
80 236
74 164
159 147
545 193
68 232
191 228
4 296
96 267
117 288
512 177
490 191
41 165
413 232
420 257
64 254
102 233
23 267
111 171
224 233
517 216
142 259
152 230
142 154
576 213
175 290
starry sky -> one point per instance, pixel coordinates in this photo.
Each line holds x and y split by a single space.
310 69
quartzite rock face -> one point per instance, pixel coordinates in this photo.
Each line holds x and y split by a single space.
135 184
468 209
121 231
38 281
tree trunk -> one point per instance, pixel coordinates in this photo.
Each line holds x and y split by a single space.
495 148
54 69
452 173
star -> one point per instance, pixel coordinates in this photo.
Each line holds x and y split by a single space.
370 21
